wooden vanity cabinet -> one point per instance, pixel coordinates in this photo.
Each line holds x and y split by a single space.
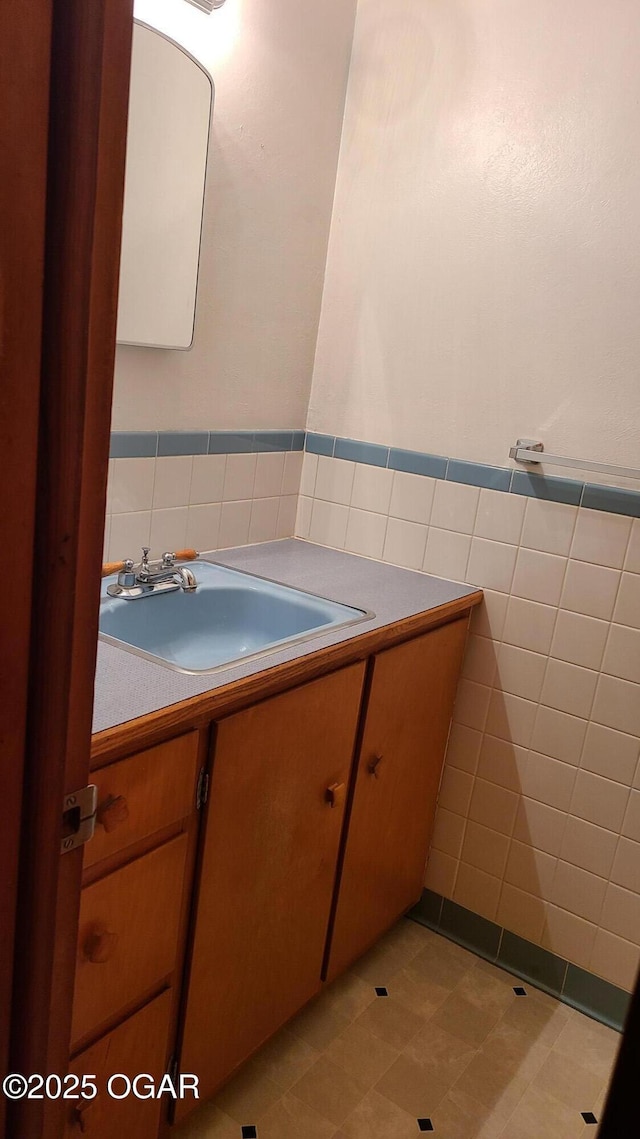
276 806
391 813
134 907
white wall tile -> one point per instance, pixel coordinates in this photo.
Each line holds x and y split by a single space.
599 801
287 516
441 873
510 718
540 825
239 478
578 891
129 532
549 781
569 688
405 543
455 506
476 889
502 762
500 516
601 538
168 530
292 472
130 485
263 524
491 564
447 554
329 523
472 702
626 865
308 476
617 705
172 482
589 846
610 753
107 538
412 497
568 935
622 654
334 480
579 639
627 610
203 525
365 533
621 913
480 661
558 734
303 517
520 672
631 824
632 560
548 526
590 589
529 625
269 474
538 576
615 959
372 488
521 913
464 747
530 870
234 524
207 479
488 618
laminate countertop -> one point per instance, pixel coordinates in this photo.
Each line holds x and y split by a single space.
128 686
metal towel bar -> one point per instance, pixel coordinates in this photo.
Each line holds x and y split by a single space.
532 451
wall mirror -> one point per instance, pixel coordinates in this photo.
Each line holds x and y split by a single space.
170 107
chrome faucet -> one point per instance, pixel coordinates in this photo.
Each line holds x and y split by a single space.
148 578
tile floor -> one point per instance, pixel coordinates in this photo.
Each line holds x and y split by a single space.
450 1049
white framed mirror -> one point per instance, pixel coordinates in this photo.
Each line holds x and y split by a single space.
170 107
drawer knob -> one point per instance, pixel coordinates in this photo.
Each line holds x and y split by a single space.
112 812
334 794
100 945
373 765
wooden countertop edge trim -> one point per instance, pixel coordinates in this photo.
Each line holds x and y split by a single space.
198 711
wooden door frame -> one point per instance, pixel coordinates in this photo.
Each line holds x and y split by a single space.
90 47
25 34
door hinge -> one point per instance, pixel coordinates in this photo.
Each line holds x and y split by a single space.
172 1070
78 817
202 789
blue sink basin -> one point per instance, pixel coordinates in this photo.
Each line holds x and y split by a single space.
231 616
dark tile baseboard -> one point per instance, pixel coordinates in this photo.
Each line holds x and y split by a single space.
573 986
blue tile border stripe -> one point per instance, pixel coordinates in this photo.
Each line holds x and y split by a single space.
149 444
584 991
507 479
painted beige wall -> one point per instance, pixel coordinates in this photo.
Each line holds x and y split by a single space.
280 72
484 261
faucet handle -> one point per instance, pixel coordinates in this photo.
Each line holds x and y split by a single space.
145 557
168 560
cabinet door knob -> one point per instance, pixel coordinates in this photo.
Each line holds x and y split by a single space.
112 812
335 794
83 1114
99 945
373 765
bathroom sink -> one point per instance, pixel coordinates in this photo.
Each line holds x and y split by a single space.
232 616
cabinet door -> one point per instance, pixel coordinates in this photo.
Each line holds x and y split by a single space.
405 734
138 1045
275 812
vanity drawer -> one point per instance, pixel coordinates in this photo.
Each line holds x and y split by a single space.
140 1044
142 794
127 935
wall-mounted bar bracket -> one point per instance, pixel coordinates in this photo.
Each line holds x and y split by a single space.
532 451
